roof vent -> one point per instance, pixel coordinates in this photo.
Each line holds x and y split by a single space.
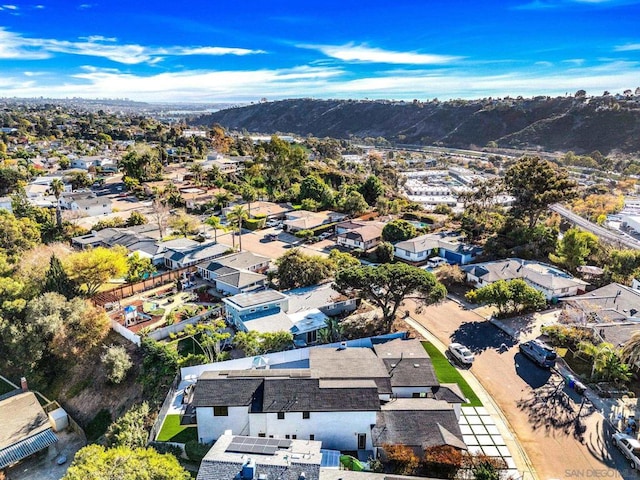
416 365
393 365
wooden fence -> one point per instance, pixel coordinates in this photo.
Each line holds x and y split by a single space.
130 289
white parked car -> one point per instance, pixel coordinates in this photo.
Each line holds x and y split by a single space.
324 235
630 448
461 353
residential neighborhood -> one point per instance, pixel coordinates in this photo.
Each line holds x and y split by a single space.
242 316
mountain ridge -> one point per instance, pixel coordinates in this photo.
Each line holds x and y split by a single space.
581 124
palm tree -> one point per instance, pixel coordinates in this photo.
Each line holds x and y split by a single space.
197 171
57 187
215 223
222 199
236 216
249 195
605 361
630 352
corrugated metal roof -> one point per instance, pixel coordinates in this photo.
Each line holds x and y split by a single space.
26 447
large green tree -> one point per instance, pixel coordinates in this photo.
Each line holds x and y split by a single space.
314 188
138 267
388 285
508 296
297 269
398 230
95 462
574 248
535 184
372 189
93 268
17 234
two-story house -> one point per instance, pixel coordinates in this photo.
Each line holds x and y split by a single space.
344 397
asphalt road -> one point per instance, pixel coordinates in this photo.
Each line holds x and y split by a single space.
562 440
601 232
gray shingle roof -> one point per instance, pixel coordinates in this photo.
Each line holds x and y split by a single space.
535 272
411 373
240 279
613 302
423 426
298 395
350 363
223 391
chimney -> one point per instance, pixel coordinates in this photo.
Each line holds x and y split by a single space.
23 384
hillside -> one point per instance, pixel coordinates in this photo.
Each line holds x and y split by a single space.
563 123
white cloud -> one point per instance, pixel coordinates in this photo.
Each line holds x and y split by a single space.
324 82
574 61
215 51
15 46
10 7
629 47
363 53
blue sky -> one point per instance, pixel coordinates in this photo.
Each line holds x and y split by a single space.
242 51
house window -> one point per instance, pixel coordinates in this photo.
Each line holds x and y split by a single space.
280 415
421 254
419 394
312 336
265 307
305 415
221 411
262 435
312 437
287 437
293 437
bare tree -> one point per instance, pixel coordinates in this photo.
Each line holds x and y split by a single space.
160 215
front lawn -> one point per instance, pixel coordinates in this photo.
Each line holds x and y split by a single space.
172 431
447 373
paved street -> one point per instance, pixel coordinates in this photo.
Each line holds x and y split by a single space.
560 444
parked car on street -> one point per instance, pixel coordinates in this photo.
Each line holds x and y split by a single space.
461 353
324 235
630 448
539 353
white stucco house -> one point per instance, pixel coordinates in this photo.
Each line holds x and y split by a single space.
447 245
551 281
347 398
303 311
363 237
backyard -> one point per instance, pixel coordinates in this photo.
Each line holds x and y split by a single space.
172 431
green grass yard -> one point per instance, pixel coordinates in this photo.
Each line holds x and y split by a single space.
447 373
172 431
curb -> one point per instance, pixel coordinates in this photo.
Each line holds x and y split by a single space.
525 463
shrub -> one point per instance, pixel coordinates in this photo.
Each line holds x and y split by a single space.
567 336
162 447
117 362
254 223
195 450
130 429
96 427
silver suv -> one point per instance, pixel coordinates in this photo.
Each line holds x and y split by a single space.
630 448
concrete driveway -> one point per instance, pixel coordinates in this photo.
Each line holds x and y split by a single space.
562 441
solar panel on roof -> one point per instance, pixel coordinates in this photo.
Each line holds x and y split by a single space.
265 446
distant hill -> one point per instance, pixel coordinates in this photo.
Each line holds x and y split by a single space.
553 124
